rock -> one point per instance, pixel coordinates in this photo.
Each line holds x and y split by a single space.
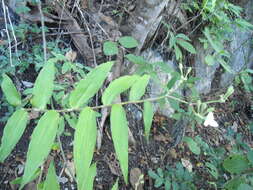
203 71
156 88
240 49
145 20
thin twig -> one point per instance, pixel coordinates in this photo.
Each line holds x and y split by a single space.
7 32
43 32
91 41
64 158
13 32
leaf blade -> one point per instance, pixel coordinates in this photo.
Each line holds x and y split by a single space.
10 91
51 180
13 131
193 146
89 86
138 88
119 130
116 87
186 45
110 48
128 42
85 138
148 114
40 145
44 85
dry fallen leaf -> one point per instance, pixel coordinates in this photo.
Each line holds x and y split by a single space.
71 55
33 114
136 179
187 164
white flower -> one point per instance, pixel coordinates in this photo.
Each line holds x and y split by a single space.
210 120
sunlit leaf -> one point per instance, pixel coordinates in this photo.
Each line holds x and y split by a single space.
128 42
51 180
89 86
10 91
138 88
84 145
148 114
119 131
40 145
118 86
88 184
13 131
44 85
110 48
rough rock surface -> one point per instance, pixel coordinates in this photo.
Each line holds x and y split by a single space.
157 87
240 48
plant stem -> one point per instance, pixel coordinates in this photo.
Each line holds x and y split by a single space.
121 103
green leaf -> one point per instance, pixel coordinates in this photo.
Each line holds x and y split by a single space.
89 86
209 60
244 186
71 119
44 85
229 92
193 146
119 130
175 76
186 45
250 157
116 185
110 48
244 24
51 180
152 174
40 145
178 52
183 36
136 59
236 164
128 42
213 43
118 86
138 88
234 183
90 178
84 139
212 170
148 114
13 131
225 65
10 91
